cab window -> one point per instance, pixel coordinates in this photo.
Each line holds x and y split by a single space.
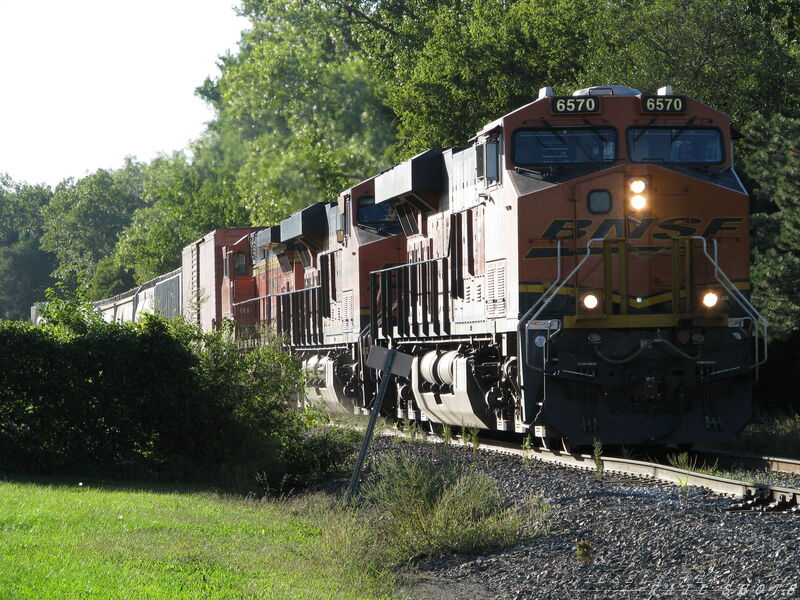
558 146
239 263
675 145
380 217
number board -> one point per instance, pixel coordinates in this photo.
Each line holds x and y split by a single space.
575 104
663 104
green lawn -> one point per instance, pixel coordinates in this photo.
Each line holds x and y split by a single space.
64 541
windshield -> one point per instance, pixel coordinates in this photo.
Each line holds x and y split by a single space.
675 145
564 146
381 217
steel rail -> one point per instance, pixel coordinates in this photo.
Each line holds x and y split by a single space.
779 498
775 464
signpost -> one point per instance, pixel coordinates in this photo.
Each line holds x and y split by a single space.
390 362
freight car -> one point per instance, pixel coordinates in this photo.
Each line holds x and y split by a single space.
579 270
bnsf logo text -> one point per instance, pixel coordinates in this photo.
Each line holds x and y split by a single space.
663 230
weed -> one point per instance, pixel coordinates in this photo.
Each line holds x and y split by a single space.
627 452
584 551
686 462
684 485
411 429
527 448
470 436
597 453
447 434
418 508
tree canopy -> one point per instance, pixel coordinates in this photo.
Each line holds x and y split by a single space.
322 94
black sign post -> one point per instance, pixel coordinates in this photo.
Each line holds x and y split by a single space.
393 363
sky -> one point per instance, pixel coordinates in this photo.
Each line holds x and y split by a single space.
85 83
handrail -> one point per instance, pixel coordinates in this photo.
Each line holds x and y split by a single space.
761 326
544 300
760 329
414 264
313 287
523 322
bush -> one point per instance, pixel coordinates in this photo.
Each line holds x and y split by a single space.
157 398
418 508
776 436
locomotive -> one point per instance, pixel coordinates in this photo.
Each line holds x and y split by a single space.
578 271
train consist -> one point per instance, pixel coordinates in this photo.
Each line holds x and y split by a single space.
579 271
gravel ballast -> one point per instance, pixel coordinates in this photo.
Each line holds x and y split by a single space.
646 540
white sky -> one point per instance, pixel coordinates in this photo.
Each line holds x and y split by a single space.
84 83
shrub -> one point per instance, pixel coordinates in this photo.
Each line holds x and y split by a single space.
418 508
153 398
778 435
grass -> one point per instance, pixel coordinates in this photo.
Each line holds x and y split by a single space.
687 462
64 542
61 540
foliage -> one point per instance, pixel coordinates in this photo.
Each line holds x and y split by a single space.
84 218
317 455
703 48
776 435
420 509
25 272
305 107
67 311
454 65
24 267
155 398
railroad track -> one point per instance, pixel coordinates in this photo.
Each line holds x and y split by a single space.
750 496
749 461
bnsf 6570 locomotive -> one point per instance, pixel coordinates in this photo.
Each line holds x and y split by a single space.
579 270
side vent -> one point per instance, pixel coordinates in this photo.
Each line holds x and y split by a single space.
408 219
284 262
496 289
305 255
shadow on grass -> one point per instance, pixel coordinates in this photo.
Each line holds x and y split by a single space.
127 484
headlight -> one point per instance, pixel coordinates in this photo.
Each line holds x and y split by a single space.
638 202
590 301
637 186
710 299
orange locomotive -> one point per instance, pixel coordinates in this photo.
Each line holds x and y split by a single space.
580 270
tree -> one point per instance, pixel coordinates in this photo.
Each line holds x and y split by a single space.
24 267
721 52
771 160
305 106
479 60
84 218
